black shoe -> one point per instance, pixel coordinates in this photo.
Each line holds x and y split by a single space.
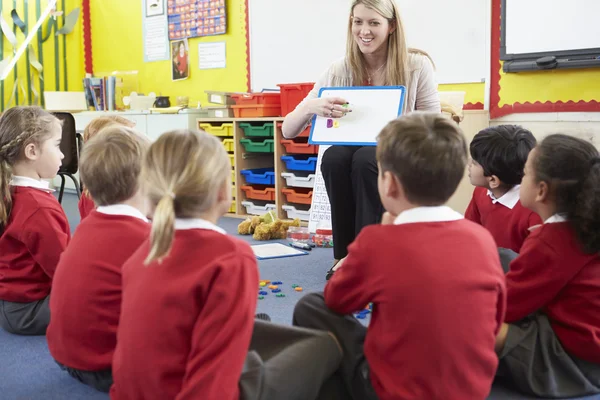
263 317
331 271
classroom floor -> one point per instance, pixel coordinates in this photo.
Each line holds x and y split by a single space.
27 370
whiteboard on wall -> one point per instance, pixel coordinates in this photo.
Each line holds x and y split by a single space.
550 26
296 41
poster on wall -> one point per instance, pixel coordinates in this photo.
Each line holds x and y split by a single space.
155 34
196 18
180 58
212 55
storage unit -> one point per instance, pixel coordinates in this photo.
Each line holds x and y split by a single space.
299 147
292 94
297 163
293 180
258 209
225 129
297 195
293 212
261 129
259 193
258 146
260 176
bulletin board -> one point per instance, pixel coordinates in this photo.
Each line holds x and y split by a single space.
196 18
372 108
542 91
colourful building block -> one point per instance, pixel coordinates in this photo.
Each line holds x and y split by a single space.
330 123
280 295
263 284
336 124
277 283
272 286
294 286
261 297
276 290
298 289
262 293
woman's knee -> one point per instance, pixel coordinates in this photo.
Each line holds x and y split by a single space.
365 160
336 158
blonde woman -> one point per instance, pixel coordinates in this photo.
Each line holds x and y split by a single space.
376 55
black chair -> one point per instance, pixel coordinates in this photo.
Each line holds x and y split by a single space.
70 146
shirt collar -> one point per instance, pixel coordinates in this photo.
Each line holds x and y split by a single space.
196 223
25 181
508 199
427 214
122 209
556 218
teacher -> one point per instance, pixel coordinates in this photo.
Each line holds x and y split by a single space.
376 55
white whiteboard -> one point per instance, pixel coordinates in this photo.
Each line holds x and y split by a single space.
372 108
539 26
296 41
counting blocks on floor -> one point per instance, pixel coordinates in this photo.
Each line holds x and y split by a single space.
275 288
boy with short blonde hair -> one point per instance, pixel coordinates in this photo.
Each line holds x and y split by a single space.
86 203
86 296
433 279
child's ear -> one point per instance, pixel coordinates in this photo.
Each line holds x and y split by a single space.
392 186
224 193
32 152
494 182
542 193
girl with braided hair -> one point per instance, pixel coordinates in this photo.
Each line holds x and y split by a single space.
34 229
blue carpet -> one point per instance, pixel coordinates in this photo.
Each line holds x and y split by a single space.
27 371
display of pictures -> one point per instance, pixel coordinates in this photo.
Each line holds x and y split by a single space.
195 18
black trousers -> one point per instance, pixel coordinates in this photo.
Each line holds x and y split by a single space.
99 380
350 175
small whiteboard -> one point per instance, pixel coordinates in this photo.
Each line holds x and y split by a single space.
372 108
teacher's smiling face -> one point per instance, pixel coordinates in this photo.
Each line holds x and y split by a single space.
369 29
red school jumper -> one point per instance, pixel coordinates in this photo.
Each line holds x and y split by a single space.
186 322
86 297
438 297
508 226
36 234
554 276
86 205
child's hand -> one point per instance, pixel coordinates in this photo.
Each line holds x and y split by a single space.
388 218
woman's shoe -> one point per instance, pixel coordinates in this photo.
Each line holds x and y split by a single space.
331 270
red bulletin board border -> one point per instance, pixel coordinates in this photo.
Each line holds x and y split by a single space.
473 106
87 36
495 110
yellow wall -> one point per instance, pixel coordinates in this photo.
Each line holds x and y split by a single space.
118 46
475 92
75 70
552 85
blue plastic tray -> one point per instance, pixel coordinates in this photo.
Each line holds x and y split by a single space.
259 176
300 164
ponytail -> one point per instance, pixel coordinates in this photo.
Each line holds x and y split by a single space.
163 228
6 203
571 168
586 215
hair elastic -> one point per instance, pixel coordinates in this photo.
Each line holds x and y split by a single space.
170 194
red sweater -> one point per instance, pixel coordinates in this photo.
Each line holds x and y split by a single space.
554 276
509 227
438 297
186 323
86 206
86 294
36 234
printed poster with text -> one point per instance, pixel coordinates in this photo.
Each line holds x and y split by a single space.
196 18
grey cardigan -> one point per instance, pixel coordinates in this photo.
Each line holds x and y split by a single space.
421 89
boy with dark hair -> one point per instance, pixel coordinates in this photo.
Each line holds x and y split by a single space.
433 278
498 156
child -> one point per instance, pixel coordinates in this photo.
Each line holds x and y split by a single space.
189 294
433 278
498 156
34 229
86 204
552 346
86 294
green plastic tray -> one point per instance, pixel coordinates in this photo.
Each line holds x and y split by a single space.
265 146
264 130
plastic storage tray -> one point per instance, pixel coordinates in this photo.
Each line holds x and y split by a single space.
264 146
232 207
232 176
258 209
299 196
256 111
297 147
266 194
257 130
259 176
219 112
216 97
231 159
292 94
225 129
293 212
228 143
298 181
300 164
254 99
